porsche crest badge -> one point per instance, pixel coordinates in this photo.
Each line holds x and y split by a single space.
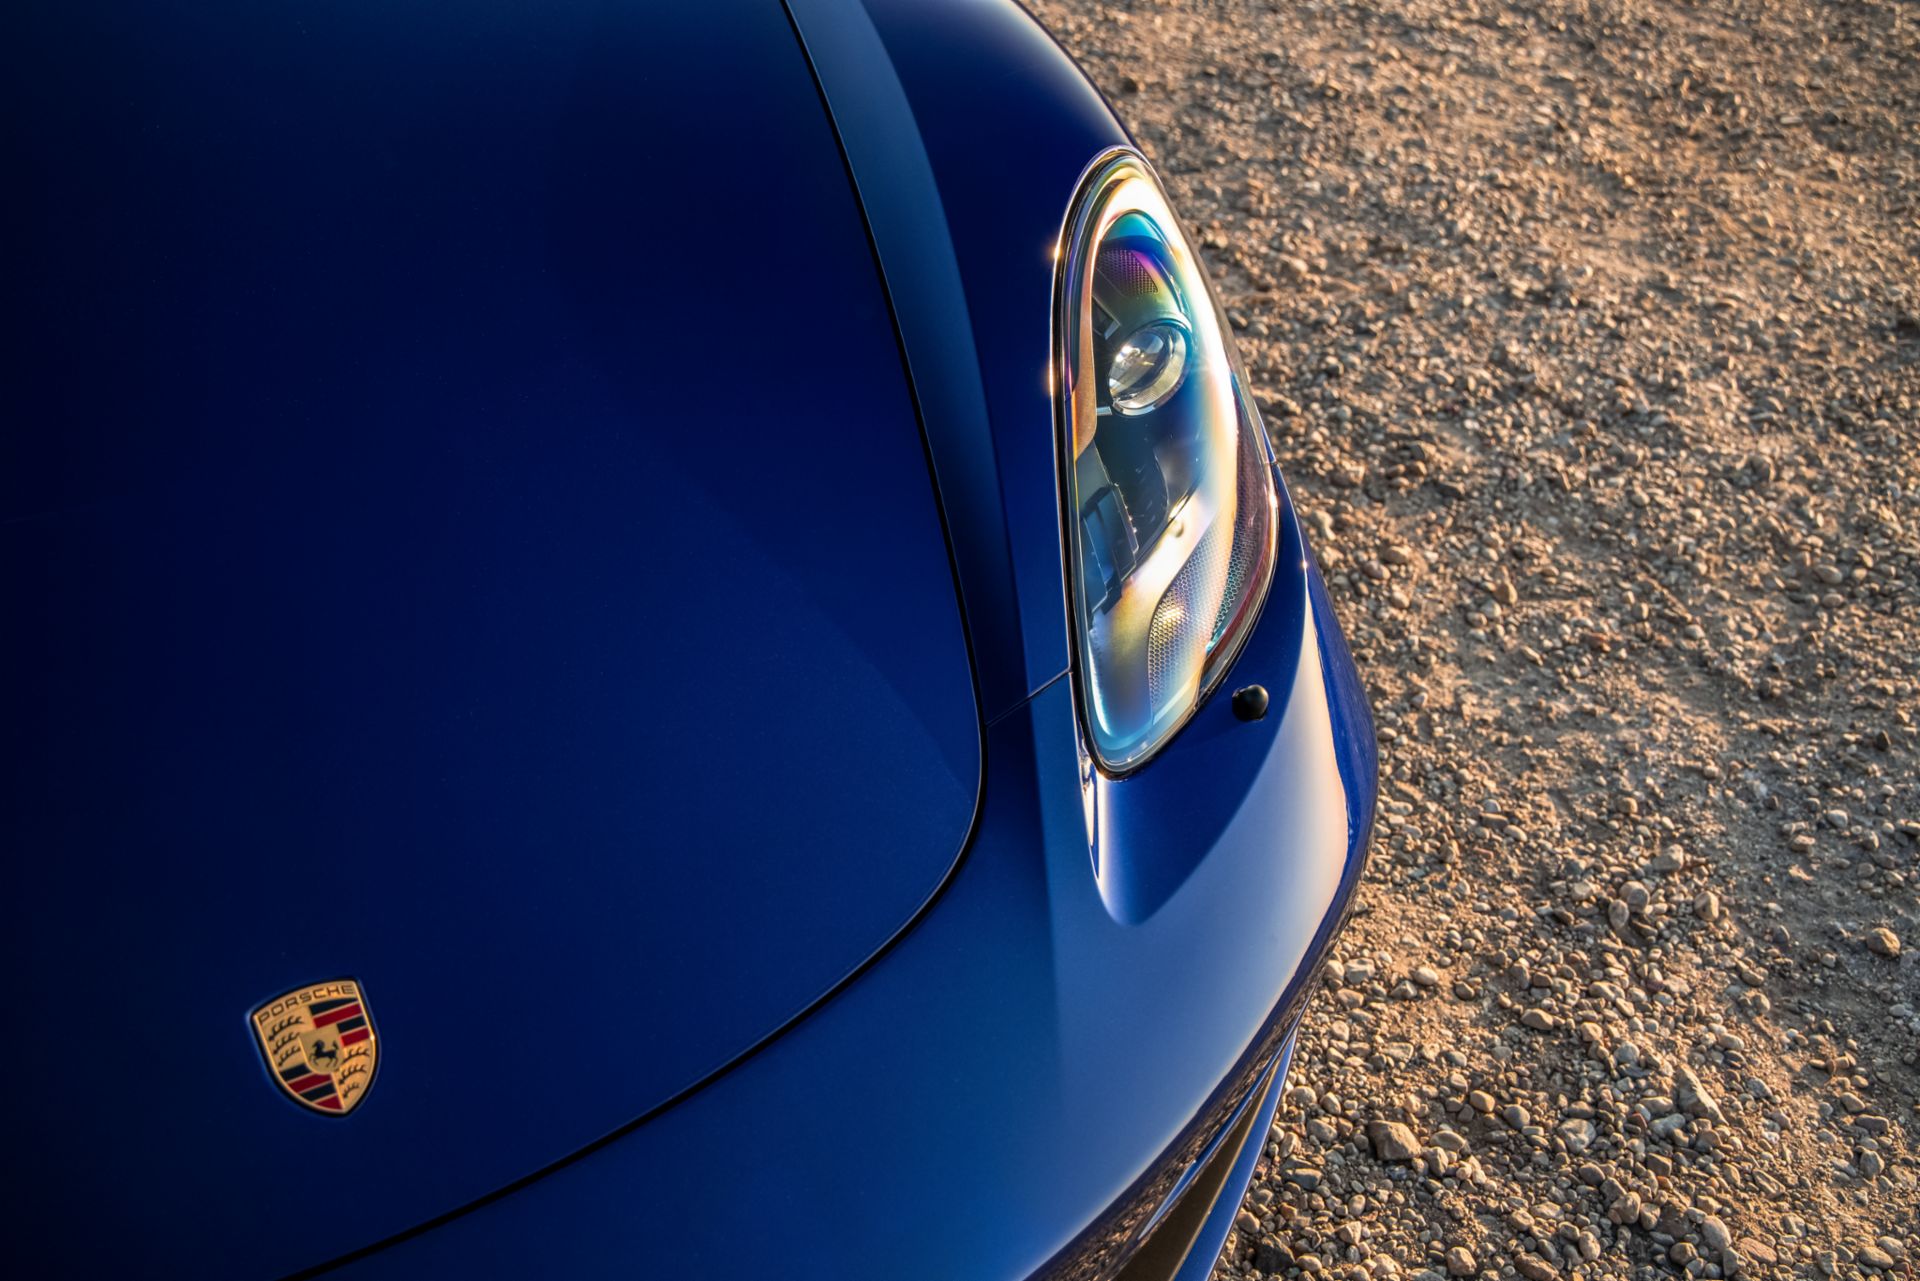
319 1045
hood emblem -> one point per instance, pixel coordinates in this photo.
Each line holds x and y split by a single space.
319 1045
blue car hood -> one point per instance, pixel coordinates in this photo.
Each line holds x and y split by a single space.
463 527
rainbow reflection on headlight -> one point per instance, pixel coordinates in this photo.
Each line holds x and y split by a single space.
1169 494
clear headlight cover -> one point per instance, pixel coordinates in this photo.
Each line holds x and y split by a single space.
1167 475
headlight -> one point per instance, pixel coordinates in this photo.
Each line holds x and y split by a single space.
1167 475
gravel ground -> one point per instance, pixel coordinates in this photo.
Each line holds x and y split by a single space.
1589 334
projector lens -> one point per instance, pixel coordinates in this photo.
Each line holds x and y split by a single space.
1148 367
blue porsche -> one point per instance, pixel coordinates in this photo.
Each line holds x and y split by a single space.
641 640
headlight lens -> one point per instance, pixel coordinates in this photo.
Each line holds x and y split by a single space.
1170 503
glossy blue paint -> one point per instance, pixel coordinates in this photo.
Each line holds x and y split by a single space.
1017 1066
461 523
1352 716
1008 124
900 196
339 536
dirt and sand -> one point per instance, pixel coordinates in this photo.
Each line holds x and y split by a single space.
1589 337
